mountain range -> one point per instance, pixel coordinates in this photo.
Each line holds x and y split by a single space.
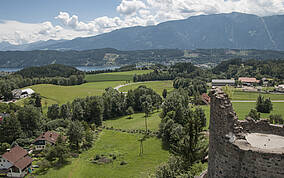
233 31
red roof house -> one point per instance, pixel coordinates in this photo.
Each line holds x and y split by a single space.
48 137
247 80
205 98
16 161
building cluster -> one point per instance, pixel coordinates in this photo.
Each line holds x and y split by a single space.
22 93
245 82
16 162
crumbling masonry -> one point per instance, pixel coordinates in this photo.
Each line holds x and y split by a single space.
247 148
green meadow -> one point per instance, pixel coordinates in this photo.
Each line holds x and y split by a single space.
63 94
137 122
242 109
240 95
126 147
157 86
115 76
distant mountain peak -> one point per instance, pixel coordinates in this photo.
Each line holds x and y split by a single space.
228 30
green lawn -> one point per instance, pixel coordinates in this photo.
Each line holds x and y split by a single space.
123 144
63 94
242 109
115 76
138 122
157 86
240 95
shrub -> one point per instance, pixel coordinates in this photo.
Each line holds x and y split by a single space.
254 114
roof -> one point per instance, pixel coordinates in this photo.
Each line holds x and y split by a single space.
248 80
48 136
28 90
15 154
205 97
24 162
223 81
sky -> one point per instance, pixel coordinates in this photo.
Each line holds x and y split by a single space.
27 21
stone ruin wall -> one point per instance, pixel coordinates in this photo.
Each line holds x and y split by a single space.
230 154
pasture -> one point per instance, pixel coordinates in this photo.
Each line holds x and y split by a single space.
157 86
115 76
240 95
63 94
137 122
126 147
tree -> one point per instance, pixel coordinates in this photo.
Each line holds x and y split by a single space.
147 108
53 111
130 111
4 147
65 111
10 129
61 149
165 92
263 106
75 133
30 119
37 98
89 137
254 114
77 111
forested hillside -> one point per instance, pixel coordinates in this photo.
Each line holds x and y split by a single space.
108 56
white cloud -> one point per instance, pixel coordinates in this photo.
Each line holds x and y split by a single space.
132 13
129 7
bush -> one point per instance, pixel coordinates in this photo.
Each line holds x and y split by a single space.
263 106
254 114
276 119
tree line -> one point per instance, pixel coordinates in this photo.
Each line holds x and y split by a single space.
27 122
181 132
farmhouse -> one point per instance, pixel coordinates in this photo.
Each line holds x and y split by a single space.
15 163
248 81
18 93
223 82
47 138
280 88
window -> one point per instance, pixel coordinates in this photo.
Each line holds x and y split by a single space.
4 160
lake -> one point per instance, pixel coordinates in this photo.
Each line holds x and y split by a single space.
82 68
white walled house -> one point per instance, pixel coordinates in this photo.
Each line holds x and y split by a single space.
16 162
47 138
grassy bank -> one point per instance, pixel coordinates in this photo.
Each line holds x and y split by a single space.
126 146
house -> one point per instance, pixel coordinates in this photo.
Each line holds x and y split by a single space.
205 98
280 88
223 82
248 81
2 116
47 138
18 93
16 162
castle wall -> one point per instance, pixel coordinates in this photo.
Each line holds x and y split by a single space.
230 154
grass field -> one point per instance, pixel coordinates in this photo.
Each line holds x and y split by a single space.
123 144
115 76
242 109
240 95
63 94
157 86
138 122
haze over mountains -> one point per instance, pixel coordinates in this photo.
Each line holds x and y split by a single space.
234 30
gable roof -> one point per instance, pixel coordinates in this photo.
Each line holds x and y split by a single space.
15 154
48 136
248 80
24 162
28 91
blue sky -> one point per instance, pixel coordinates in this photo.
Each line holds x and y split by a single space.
36 11
27 21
